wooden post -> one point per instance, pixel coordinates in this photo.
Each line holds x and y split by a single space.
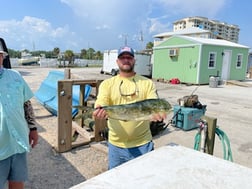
64 115
211 126
65 123
67 73
81 103
100 125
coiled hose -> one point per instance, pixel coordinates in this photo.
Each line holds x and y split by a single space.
227 152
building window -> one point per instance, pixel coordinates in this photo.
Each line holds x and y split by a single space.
239 61
212 60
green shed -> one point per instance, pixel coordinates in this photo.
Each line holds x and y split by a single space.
194 60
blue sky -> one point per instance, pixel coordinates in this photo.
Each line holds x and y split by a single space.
108 24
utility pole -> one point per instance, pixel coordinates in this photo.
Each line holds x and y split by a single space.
33 46
125 39
141 39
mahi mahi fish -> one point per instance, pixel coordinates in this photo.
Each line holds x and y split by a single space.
141 110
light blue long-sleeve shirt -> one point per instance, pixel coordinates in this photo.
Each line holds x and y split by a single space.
14 131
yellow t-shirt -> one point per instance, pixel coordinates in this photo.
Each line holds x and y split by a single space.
118 90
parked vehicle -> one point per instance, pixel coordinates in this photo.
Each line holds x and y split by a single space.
28 59
143 64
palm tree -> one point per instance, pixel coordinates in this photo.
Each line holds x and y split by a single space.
149 45
56 51
69 56
99 55
90 53
83 53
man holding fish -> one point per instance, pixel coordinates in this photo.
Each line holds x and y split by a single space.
129 94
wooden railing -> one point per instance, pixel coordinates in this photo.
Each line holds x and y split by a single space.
66 125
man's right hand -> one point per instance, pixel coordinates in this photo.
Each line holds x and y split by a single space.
99 113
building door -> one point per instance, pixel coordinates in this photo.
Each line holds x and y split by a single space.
226 61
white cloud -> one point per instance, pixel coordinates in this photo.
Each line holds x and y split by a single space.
193 7
101 22
104 26
114 18
158 27
111 19
172 10
31 31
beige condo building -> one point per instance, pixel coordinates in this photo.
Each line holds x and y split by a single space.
221 30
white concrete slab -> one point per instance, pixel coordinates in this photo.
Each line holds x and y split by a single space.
173 167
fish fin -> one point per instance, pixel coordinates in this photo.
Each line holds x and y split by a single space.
79 107
84 112
82 116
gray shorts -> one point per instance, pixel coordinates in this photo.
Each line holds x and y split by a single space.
14 168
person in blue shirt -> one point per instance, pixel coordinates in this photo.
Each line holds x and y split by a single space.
18 131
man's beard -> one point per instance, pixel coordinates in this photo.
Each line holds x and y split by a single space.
128 70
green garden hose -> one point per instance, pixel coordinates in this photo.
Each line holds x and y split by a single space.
227 153
225 143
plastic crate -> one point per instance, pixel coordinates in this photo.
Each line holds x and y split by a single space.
187 118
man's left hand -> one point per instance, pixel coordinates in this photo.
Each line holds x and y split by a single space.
33 138
158 117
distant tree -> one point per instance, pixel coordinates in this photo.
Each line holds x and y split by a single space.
149 45
48 54
90 53
14 54
26 51
56 51
83 53
69 56
99 55
36 53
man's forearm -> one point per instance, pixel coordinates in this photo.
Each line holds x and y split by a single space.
29 114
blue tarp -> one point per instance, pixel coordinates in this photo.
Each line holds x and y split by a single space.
47 92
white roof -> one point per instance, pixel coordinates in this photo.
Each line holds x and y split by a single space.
193 30
219 42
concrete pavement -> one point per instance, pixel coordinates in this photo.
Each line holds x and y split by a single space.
230 104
